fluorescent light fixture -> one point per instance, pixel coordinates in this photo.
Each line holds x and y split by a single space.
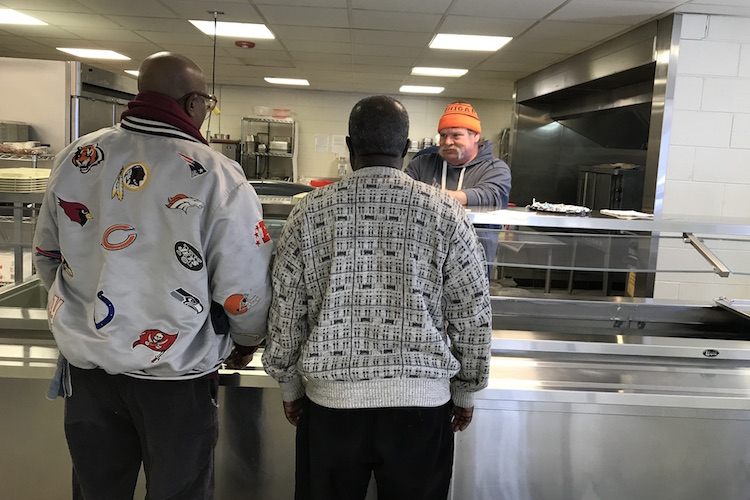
8 16
240 30
133 72
287 81
450 72
94 54
418 89
469 42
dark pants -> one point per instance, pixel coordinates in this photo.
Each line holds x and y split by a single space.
115 422
410 450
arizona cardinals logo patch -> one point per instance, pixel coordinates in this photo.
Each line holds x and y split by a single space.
131 177
156 340
55 303
110 311
114 245
261 234
77 212
188 299
183 202
239 303
87 156
188 256
196 168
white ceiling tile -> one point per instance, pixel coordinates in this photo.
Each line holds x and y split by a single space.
340 4
306 33
305 16
128 8
506 9
389 60
315 46
194 37
484 26
233 12
381 37
30 8
394 21
568 30
611 11
542 44
151 23
77 20
387 50
417 6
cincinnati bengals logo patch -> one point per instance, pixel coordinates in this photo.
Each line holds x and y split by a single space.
110 311
156 340
188 256
196 168
77 212
239 303
261 234
54 305
131 177
183 202
112 241
87 156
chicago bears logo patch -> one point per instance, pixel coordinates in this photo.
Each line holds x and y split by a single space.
131 177
77 212
196 168
87 156
188 256
183 202
111 243
156 340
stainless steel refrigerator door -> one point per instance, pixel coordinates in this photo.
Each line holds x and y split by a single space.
89 115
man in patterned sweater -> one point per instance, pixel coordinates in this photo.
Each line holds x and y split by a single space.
381 317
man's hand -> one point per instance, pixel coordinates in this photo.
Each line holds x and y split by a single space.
461 418
240 357
292 410
458 195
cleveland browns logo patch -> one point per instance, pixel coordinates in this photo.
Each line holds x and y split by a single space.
188 256
87 156
239 303
156 340
183 202
77 212
196 168
131 177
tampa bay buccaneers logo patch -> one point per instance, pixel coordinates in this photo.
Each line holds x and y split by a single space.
87 156
183 202
196 168
188 256
77 212
131 177
156 340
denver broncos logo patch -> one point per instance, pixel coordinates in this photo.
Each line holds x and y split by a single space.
77 212
131 177
183 202
87 156
196 168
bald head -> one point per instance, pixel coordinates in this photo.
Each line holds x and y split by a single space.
172 74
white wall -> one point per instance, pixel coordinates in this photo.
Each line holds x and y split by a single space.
36 92
708 172
327 113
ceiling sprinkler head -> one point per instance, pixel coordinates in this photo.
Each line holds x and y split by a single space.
244 44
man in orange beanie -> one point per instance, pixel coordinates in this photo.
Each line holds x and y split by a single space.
464 166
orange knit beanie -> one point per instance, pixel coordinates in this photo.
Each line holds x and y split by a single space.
462 115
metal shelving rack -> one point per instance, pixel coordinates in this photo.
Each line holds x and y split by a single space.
261 160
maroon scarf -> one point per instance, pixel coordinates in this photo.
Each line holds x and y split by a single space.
162 108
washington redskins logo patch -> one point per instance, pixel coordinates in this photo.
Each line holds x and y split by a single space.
77 212
112 241
188 256
87 156
261 234
196 168
156 340
183 202
131 177
239 303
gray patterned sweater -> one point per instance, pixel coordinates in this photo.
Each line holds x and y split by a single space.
380 297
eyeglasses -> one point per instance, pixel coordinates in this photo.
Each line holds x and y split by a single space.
211 100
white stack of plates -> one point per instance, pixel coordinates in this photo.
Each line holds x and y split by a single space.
23 180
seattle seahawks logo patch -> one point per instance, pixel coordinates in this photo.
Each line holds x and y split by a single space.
188 256
188 299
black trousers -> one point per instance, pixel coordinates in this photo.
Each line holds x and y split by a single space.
115 422
410 451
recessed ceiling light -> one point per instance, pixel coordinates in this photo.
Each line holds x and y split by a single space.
287 81
240 30
418 89
450 72
469 42
95 54
133 72
8 16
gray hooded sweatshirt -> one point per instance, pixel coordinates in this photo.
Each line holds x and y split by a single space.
486 180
